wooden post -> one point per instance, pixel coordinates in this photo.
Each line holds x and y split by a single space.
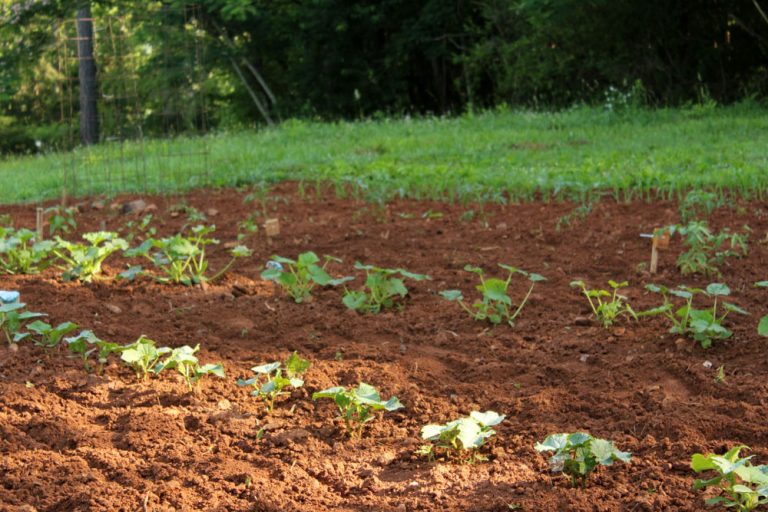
660 241
271 228
39 224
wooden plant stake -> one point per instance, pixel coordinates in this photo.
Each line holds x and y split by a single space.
272 229
659 241
39 224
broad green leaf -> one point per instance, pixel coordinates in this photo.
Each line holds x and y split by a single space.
536 278
487 418
718 289
762 327
266 368
452 295
295 365
552 442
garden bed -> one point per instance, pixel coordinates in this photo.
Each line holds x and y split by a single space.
71 440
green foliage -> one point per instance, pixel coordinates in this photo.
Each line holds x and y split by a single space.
744 487
699 204
607 306
270 381
496 305
143 356
49 336
382 288
578 454
140 228
21 253
61 220
460 436
12 320
185 362
762 327
706 251
87 343
358 406
703 325
83 261
302 275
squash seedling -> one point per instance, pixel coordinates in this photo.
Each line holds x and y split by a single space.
703 325
269 381
382 288
142 355
61 219
358 406
49 336
459 437
12 319
302 274
744 486
87 343
83 261
707 251
578 454
607 306
186 363
496 305
21 253
762 327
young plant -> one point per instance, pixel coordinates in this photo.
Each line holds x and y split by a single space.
185 362
496 305
20 253
607 306
358 406
142 355
703 325
698 204
762 327
87 343
83 261
61 219
707 251
139 228
744 486
12 319
270 382
578 454
302 275
49 336
461 436
182 257
382 288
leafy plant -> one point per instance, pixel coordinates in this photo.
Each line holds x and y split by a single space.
607 306
84 261
460 436
182 257
61 219
12 320
270 382
744 486
578 454
703 325
707 251
20 253
49 336
186 363
762 327
139 228
87 343
382 288
302 275
496 305
358 406
142 355
699 203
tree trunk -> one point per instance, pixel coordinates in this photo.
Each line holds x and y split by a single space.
89 114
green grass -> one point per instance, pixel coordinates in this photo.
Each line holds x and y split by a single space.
486 157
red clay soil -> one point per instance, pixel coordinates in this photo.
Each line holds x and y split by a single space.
71 440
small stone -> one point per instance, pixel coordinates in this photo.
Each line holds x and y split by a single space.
97 205
113 308
172 412
224 404
296 435
136 206
582 320
584 357
212 212
501 226
707 364
685 345
413 484
13 347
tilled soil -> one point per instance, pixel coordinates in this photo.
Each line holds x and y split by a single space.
71 440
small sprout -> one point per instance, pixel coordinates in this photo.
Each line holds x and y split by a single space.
744 486
720 377
61 219
358 406
50 337
142 355
578 454
461 436
762 327
302 274
496 305
707 251
83 261
186 363
607 306
382 288
87 343
12 320
269 382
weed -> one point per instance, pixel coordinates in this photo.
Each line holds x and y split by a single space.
61 219
707 251
607 311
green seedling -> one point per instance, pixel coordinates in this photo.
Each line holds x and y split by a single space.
703 325
269 381
186 363
49 336
358 406
698 204
61 219
12 320
707 251
139 228
496 305
143 355
607 306
461 436
762 327
302 274
744 487
578 454
20 253
87 343
83 261
182 257
382 288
